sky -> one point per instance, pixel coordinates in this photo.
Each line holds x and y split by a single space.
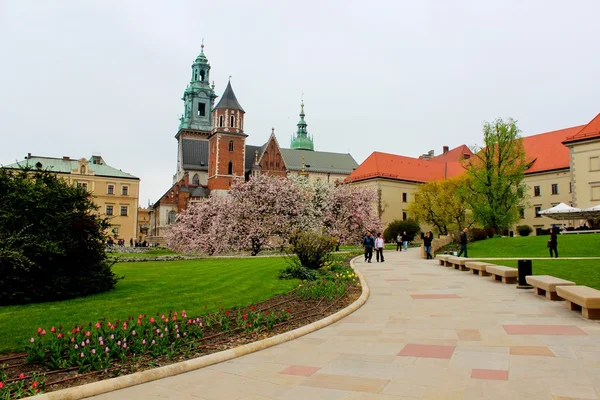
106 76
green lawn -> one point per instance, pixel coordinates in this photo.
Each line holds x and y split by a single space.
152 287
587 245
146 254
582 272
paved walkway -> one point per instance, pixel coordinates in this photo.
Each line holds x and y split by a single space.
427 332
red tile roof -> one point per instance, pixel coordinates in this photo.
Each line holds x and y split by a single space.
384 165
589 131
453 155
546 150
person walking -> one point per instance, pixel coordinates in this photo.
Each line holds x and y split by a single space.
553 242
379 245
405 240
398 242
427 245
464 239
368 243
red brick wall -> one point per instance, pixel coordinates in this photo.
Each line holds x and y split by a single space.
220 156
272 162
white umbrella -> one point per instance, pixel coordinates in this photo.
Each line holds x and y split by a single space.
563 211
591 212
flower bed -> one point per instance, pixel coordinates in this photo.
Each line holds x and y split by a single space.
58 357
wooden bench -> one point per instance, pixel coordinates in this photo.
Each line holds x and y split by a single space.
502 273
582 298
457 262
478 267
442 258
545 285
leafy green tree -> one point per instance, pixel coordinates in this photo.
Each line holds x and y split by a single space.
410 226
51 240
495 189
442 205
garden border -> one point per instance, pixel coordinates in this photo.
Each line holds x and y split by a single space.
122 382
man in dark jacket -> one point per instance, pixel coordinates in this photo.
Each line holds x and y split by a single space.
463 242
553 242
368 243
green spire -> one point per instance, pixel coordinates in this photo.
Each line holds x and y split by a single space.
302 140
199 97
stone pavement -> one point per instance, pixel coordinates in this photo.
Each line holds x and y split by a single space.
426 332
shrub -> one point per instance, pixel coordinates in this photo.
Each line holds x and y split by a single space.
397 226
476 234
524 230
310 249
51 240
298 272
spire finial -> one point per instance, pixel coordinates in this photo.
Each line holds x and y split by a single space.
202 47
272 131
302 104
230 78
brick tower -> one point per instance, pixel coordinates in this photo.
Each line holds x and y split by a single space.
227 142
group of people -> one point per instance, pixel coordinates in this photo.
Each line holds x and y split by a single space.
370 243
402 241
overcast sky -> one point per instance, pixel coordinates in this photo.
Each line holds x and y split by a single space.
106 77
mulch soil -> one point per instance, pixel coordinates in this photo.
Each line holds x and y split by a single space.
302 312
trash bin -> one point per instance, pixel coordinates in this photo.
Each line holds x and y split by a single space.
525 269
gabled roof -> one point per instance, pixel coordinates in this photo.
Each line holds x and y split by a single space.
589 131
318 161
66 166
228 100
250 154
385 165
456 154
195 154
546 151
264 147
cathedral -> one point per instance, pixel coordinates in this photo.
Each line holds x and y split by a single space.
212 150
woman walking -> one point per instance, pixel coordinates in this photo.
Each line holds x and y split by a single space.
379 244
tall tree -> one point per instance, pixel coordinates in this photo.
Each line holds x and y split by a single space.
496 171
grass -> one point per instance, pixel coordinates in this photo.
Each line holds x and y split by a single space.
587 245
152 253
582 272
152 287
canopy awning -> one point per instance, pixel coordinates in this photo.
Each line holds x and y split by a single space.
563 211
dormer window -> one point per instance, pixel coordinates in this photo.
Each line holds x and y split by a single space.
82 169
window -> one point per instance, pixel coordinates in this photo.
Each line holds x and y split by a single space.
570 187
196 180
537 211
231 145
109 210
595 191
230 168
82 170
537 191
232 121
521 213
124 190
110 189
404 196
123 211
202 75
221 121
555 188
171 217
403 216
594 163
201 109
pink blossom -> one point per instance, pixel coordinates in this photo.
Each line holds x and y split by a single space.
43 332
133 333
152 320
32 340
144 341
153 341
81 355
124 345
112 337
93 351
76 347
106 349
119 343
161 335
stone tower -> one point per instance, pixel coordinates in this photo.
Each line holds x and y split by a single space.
301 140
227 143
199 98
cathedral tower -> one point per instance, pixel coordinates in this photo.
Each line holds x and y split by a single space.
302 141
227 143
199 98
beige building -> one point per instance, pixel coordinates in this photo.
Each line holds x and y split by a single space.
563 166
143 224
115 192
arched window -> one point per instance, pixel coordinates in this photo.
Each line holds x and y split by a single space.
221 121
230 168
82 169
171 217
231 145
202 75
232 121
196 180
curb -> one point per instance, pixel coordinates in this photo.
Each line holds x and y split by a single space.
122 382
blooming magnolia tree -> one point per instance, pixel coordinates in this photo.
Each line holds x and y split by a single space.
351 212
267 210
